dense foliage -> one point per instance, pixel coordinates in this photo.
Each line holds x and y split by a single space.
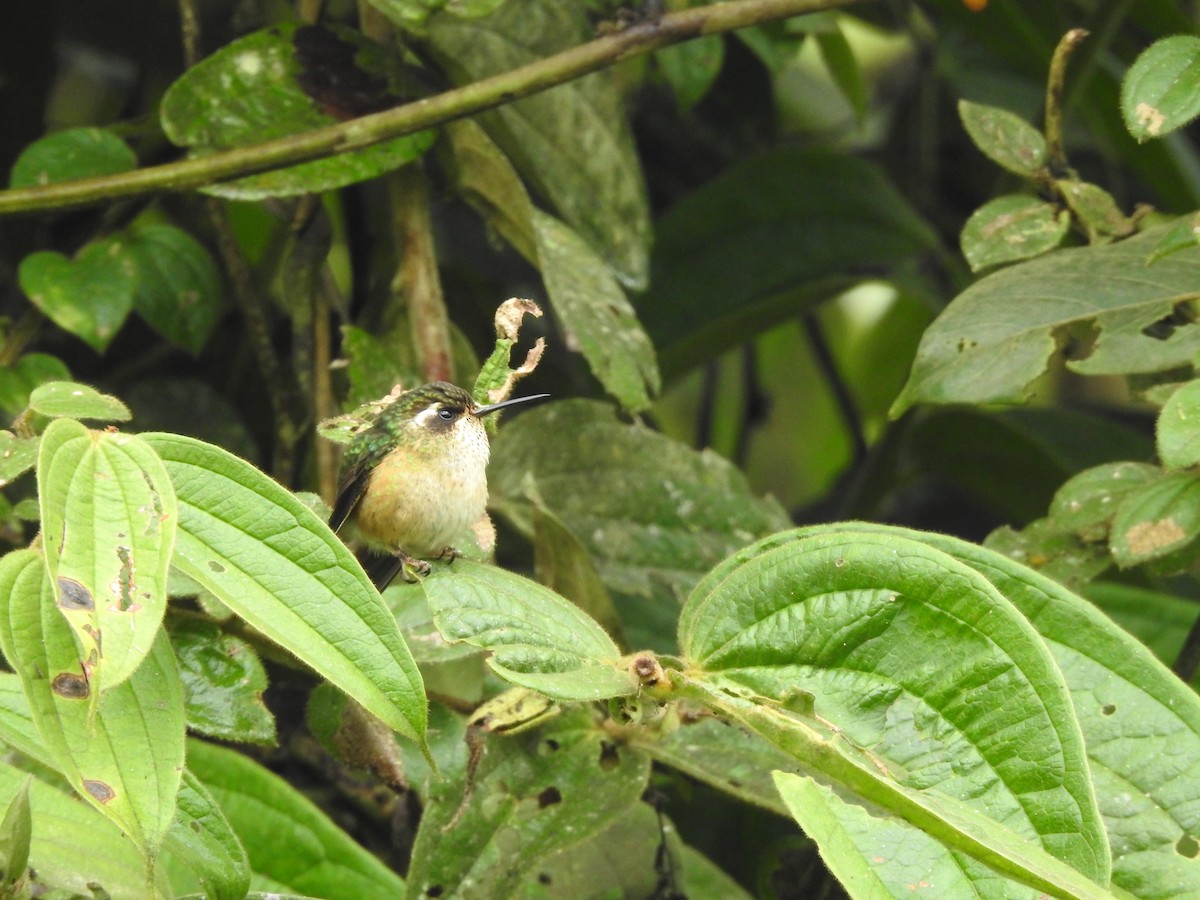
871 335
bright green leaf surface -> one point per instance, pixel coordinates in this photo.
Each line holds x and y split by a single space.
282 81
76 849
126 757
223 683
654 514
17 456
1159 620
537 639
1158 521
16 832
902 648
291 844
108 514
178 289
998 336
1178 428
90 295
595 315
271 560
1012 227
731 253
1006 139
1161 90
571 142
201 839
534 794
78 401
72 153
1141 726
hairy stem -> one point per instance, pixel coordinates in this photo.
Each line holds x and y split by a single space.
1055 151
355 134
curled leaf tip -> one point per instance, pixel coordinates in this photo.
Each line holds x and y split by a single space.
509 316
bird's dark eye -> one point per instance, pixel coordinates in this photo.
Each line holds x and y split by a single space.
446 414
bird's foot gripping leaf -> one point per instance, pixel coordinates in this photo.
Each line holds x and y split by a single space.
384 570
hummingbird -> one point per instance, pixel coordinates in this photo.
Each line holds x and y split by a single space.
416 477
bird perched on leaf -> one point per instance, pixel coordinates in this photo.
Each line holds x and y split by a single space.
416 478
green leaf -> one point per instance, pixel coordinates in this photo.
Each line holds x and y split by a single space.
32 369
16 835
126 757
730 257
653 513
273 562
1182 234
90 295
78 401
411 15
1116 315
1178 428
108 518
1045 547
1012 227
223 683
691 68
291 844
901 648
281 81
534 794
1141 725
1159 620
17 456
1158 521
595 315
1006 139
1087 502
838 57
1095 210
178 289
1161 90
69 154
375 366
202 839
67 833
573 142
537 639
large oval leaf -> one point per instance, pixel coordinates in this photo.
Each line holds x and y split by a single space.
122 753
274 563
537 639
906 652
108 521
1103 308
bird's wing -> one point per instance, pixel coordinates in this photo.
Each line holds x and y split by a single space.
350 490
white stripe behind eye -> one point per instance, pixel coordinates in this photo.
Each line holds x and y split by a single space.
422 418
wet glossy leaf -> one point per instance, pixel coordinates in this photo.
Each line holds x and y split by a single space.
1006 139
271 560
178 289
596 317
223 684
572 142
537 639
90 295
285 80
1161 90
291 844
123 753
71 153
534 794
78 401
1012 227
108 516
898 646
1178 428
1113 313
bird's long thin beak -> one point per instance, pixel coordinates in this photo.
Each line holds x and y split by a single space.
512 401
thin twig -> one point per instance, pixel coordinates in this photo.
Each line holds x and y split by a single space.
355 134
1056 153
842 397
